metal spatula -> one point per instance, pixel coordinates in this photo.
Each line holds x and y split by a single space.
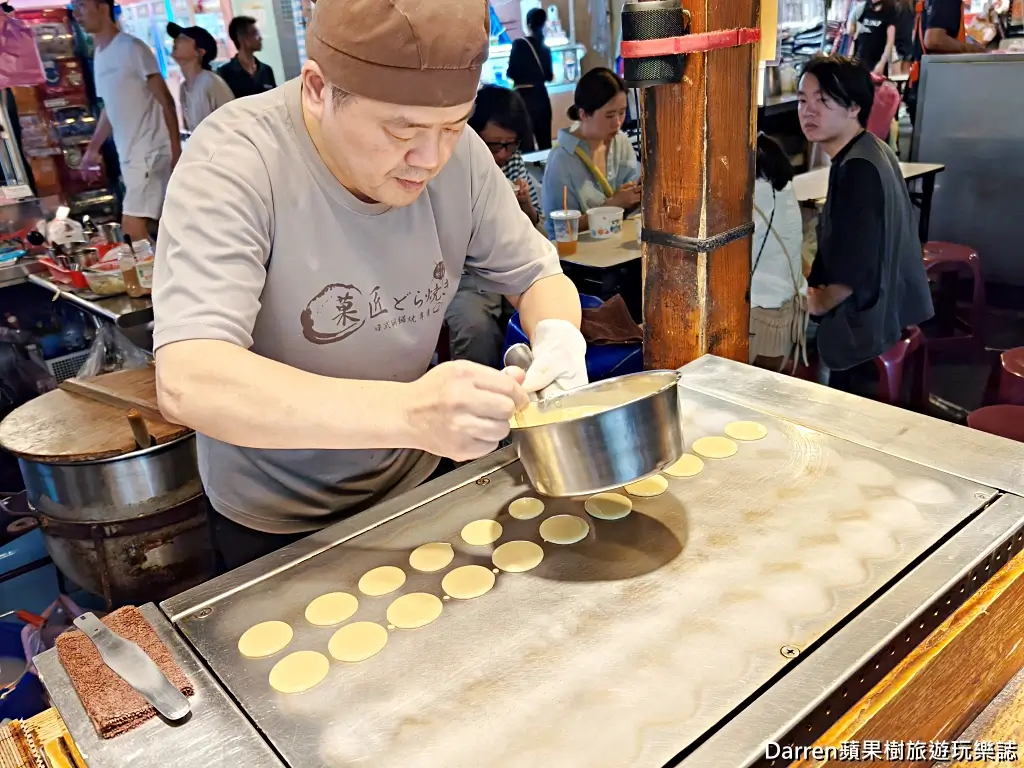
132 665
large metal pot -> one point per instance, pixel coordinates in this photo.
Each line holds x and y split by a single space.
635 433
131 528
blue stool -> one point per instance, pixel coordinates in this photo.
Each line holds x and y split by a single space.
604 361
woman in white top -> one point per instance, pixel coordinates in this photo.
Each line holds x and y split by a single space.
778 287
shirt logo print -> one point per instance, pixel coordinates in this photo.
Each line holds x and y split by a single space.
341 309
333 314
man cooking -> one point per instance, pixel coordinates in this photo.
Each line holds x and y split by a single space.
312 238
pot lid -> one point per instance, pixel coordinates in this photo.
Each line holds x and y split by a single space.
63 427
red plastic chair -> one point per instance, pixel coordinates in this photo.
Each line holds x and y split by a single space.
941 259
1002 420
891 367
1006 382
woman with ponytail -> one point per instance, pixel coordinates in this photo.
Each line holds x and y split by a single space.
594 163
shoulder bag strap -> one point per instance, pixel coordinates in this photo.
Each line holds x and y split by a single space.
595 171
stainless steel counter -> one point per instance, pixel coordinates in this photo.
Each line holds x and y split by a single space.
133 317
960 451
17 273
623 650
215 734
708 622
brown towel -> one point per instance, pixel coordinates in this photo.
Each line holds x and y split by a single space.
610 323
114 706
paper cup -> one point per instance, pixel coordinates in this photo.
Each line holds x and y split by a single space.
605 222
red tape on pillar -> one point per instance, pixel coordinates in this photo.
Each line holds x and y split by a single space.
702 43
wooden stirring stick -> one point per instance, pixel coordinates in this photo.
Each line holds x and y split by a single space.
139 429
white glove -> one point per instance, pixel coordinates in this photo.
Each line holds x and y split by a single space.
559 356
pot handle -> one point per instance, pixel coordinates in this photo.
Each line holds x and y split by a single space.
14 514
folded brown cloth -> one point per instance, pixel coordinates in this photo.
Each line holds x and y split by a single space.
610 323
114 706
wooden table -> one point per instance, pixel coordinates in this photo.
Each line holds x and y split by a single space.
540 157
812 187
610 251
609 266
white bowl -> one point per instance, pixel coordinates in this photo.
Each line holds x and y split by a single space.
605 221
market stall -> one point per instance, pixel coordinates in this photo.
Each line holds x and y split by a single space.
508 24
710 621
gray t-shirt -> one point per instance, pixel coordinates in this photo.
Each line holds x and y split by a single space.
201 97
261 247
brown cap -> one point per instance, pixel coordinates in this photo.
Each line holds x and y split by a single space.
419 53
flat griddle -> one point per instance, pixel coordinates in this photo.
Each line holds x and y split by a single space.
623 650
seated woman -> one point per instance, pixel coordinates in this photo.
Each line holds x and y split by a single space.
476 319
778 288
594 163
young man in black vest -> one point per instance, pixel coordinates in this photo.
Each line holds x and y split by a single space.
868 281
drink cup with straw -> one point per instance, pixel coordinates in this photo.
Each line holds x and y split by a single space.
566 224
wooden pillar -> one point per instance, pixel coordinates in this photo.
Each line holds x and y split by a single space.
697 141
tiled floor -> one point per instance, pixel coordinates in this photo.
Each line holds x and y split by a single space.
962 384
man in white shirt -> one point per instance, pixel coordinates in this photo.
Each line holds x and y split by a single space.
203 89
138 110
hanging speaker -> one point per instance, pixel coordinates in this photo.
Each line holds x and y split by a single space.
644 20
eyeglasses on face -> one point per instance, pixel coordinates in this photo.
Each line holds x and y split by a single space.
498 146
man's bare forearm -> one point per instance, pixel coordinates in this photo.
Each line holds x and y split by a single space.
234 395
101 134
171 120
939 41
550 298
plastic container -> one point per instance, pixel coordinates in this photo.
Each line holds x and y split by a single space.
105 279
567 231
144 264
26 698
605 221
130 275
66 276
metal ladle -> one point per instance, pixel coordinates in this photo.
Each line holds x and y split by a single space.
521 356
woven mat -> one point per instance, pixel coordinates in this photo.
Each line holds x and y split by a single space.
23 743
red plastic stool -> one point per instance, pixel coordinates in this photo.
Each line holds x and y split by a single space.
891 365
1010 389
942 259
1003 420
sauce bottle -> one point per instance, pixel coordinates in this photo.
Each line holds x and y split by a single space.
131 276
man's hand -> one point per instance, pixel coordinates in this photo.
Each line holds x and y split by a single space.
627 197
523 196
461 410
815 305
559 356
90 165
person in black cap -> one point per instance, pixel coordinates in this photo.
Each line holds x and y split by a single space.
203 89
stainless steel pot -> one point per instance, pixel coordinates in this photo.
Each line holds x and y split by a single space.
637 433
132 528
